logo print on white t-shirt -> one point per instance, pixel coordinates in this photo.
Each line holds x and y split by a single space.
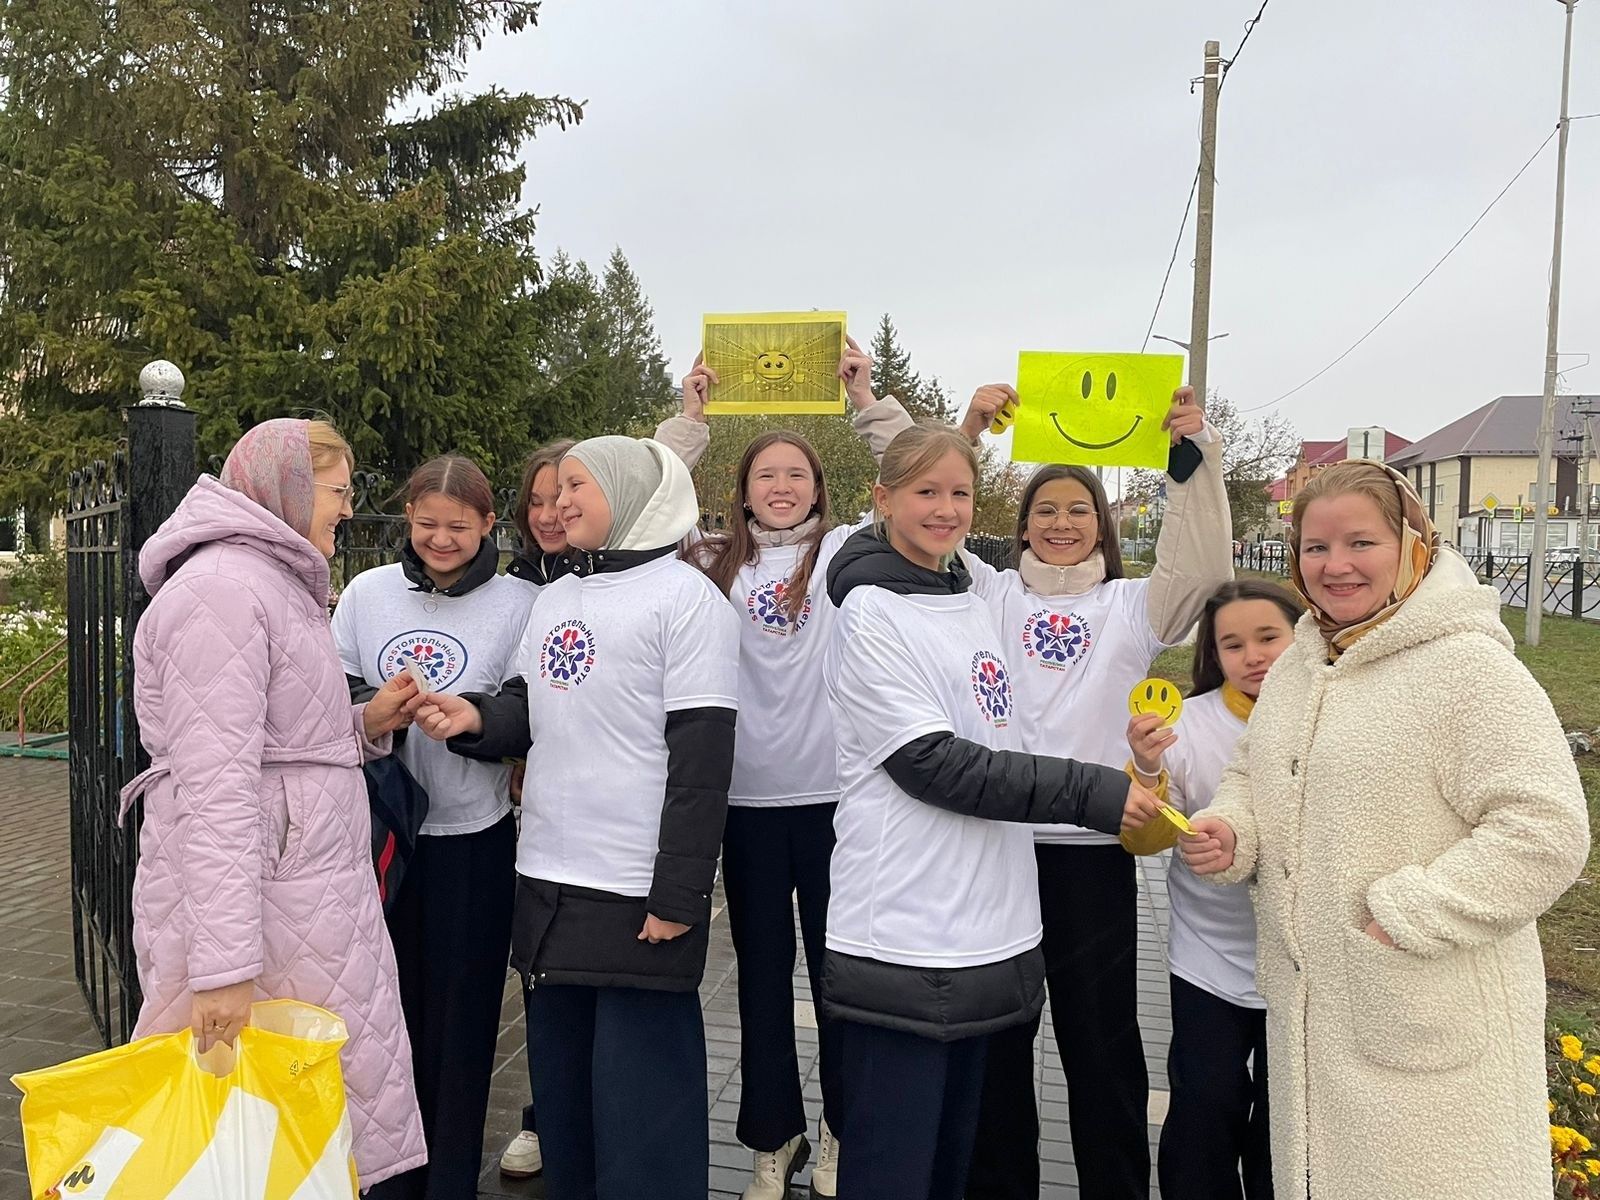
1055 640
992 687
768 608
567 655
438 654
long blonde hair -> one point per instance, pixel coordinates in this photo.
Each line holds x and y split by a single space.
915 450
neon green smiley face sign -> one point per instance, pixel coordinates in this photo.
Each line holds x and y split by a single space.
1098 410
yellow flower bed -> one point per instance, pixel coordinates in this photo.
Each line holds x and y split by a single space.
1574 1119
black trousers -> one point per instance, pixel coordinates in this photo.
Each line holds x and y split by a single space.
1215 1144
451 928
910 1113
1089 899
770 856
619 1078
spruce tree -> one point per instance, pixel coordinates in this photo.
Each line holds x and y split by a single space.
892 375
226 186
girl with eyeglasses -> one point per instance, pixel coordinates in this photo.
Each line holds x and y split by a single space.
1080 634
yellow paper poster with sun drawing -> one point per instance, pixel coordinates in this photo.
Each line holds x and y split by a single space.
775 362
1094 410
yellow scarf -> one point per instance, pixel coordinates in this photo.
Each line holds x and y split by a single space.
1237 702
1419 547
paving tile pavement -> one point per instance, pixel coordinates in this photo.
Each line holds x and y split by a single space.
43 1019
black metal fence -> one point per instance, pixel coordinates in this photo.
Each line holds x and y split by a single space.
1571 588
996 551
112 509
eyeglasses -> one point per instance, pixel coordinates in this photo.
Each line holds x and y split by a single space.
343 490
1044 515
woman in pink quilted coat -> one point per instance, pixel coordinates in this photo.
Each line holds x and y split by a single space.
255 875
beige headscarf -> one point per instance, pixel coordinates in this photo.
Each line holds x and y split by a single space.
1419 548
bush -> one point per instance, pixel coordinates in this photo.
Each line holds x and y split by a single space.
1574 1082
37 580
24 636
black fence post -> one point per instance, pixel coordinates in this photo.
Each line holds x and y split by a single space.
113 509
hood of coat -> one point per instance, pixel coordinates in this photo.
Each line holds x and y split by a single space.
671 511
868 560
212 513
1451 600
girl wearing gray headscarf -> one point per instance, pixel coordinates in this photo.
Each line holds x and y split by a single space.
626 696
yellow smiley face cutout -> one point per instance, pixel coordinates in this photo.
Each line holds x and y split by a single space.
1156 697
1098 410
1177 820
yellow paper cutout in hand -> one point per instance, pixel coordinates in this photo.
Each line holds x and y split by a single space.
1097 410
1156 697
775 362
1177 819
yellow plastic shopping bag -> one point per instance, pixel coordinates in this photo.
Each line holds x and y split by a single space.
262 1120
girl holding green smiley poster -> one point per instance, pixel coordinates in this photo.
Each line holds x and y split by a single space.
1081 635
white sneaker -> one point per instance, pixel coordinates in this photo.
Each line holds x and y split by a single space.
776 1169
825 1175
522 1159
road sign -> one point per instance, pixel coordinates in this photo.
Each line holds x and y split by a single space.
1285 507
1491 502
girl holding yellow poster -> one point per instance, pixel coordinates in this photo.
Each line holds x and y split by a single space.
1081 634
779 840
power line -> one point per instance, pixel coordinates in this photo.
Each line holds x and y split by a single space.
1249 28
1177 242
1414 287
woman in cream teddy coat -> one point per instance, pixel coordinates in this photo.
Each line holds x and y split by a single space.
1402 841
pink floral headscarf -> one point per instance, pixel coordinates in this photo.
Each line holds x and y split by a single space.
271 464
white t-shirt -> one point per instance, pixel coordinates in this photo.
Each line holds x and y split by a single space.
606 658
786 753
1076 658
914 884
1213 934
467 644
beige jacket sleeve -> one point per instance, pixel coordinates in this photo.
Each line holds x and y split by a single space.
1194 552
1524 803
880 423
688 439
1233 804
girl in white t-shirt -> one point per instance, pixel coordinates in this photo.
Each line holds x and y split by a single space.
1080 634
933 923
1216 1130
626 692
444 609
772 564
544 558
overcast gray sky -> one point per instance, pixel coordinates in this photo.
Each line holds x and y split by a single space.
1006 175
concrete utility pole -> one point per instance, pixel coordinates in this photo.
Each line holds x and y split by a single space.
1200 314
1547 410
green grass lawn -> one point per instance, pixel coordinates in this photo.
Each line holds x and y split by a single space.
1567 664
